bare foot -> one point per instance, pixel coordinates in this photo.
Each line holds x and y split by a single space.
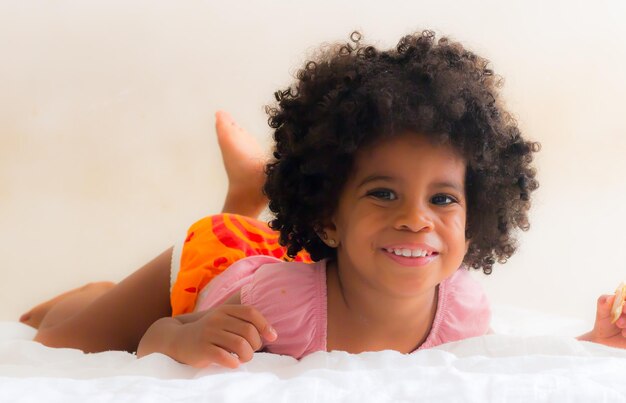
37 314
244 161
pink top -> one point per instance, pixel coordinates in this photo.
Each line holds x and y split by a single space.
292 297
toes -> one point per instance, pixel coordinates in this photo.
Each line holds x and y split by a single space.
226 129
223 119
31 320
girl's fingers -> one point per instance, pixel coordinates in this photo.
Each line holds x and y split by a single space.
212 354
230 335
244 329
603 310
233 343
219 356
253 316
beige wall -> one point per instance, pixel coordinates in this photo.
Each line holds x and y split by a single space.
107 150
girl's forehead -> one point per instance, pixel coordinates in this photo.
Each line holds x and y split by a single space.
412 146
410 159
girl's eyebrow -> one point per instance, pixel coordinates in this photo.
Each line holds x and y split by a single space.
375 177
441 184
456 186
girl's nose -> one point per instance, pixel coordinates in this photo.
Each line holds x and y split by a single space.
414 217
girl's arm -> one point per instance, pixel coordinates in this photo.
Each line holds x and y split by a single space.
209 337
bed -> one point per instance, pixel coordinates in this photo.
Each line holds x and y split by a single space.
531 357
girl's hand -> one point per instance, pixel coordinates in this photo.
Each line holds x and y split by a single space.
605 332
219 333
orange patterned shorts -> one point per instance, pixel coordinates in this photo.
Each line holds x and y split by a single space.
213 244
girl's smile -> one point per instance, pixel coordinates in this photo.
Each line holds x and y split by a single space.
411 255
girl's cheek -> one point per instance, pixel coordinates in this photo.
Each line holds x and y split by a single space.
457 223
456 233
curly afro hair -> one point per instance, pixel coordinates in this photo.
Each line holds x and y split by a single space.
355 94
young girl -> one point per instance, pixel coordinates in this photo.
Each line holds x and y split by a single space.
393 173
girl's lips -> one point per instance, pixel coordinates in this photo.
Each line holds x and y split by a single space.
411 261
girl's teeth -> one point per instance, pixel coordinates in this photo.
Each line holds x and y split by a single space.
408 252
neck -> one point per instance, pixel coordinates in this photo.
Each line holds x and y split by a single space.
389 320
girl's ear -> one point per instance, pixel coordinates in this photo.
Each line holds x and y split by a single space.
328 235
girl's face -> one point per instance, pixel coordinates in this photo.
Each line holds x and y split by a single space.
400 222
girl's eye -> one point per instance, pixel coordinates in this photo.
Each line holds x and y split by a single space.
443 200
383 194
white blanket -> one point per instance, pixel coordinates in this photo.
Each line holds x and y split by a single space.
510 366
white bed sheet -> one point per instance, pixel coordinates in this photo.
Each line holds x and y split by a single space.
533 357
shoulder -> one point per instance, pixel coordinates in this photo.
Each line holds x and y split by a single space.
292 297
463 310
285 282
463 291
231 280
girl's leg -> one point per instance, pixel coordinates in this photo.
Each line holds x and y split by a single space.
68 301
110 319
87 317
244 161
